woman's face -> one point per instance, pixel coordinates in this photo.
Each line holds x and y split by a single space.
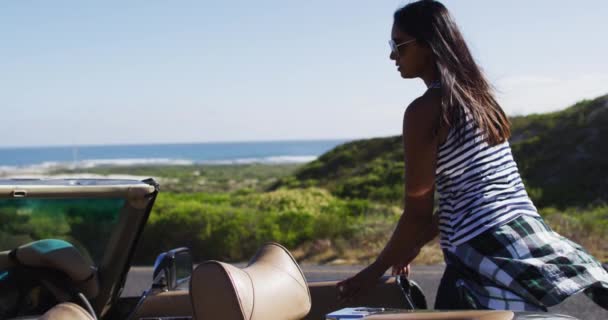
412 59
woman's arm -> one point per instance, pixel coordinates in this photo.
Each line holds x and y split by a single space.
417 225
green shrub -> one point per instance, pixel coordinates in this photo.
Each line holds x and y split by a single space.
232 226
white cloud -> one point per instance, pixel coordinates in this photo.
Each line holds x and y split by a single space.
525 94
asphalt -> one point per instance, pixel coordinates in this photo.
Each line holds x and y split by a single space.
427 277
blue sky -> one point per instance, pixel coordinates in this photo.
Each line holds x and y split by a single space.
114 72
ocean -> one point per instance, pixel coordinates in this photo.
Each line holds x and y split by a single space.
160 154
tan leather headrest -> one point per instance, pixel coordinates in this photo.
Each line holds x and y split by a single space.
271 287
66 311
57 255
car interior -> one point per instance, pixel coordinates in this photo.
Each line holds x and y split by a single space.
60 278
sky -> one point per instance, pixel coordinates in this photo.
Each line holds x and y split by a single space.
128 72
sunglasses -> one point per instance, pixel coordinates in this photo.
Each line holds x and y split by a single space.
395 46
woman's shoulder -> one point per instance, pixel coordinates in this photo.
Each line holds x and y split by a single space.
427 105
423 113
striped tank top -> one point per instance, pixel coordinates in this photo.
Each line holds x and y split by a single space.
479 186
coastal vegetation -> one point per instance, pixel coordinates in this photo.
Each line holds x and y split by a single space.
341 208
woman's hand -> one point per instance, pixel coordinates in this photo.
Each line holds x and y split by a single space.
402 267
401 270
368 277
360 283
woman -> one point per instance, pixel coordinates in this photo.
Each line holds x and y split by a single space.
499 253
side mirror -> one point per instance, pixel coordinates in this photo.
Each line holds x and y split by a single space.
172 270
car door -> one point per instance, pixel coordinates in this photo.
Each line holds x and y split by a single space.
386 294
324 295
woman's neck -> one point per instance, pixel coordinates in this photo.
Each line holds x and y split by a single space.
431 77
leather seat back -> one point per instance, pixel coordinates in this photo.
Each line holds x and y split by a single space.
66 311
271 287
57 255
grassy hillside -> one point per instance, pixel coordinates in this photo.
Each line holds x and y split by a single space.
366 169
562 156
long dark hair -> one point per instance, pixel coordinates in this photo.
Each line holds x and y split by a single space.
463 85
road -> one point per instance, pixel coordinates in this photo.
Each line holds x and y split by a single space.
428 277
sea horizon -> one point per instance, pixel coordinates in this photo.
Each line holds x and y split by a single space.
112 144
180 153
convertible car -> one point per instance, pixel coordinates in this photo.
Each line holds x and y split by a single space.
66 247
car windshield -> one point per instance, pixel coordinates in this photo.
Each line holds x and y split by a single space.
86 223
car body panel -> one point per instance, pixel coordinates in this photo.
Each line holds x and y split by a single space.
165 304
324 297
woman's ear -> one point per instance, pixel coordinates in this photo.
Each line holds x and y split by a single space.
426 49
